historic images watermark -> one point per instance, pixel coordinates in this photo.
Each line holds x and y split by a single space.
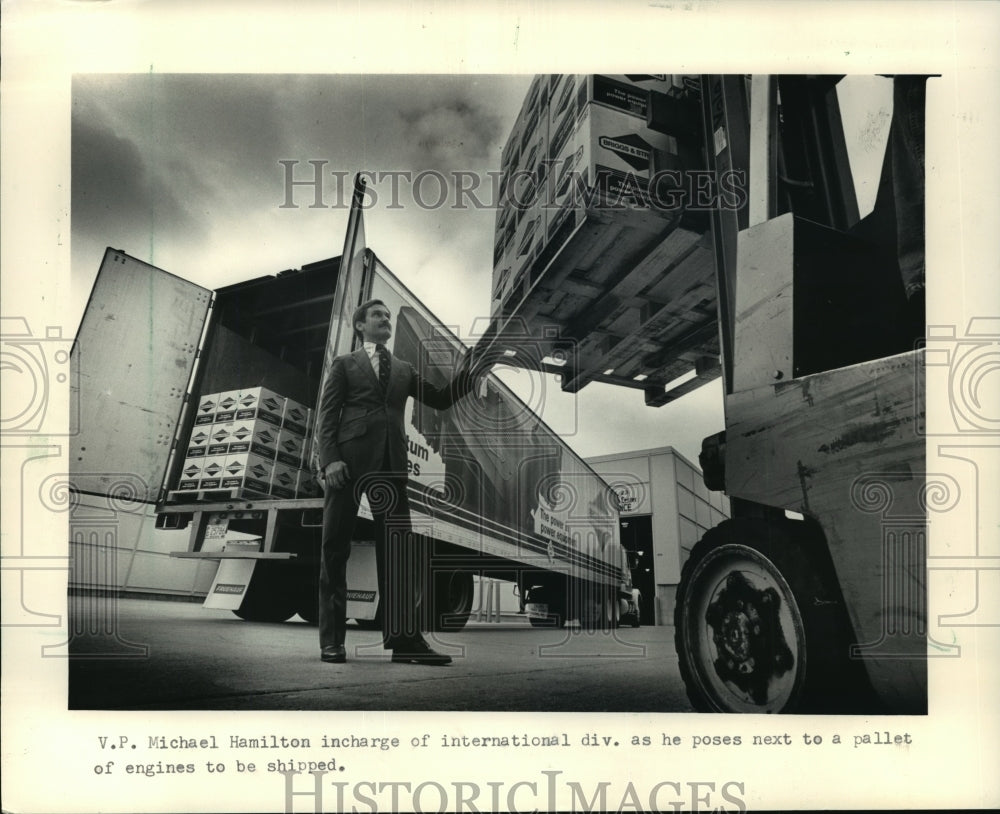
962 430
41 375
549 791
310 184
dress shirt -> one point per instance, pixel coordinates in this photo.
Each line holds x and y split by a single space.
373 355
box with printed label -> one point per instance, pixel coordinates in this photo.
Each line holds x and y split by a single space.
248 472
283 480
253 435
618 152
563 113
295 417
290 447
191 469
259 402
212 472
605 164
530 236
228 402
240 436
207 406
220 436
198 442
265 439
600 157
306 484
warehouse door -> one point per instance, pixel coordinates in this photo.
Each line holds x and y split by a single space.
637 539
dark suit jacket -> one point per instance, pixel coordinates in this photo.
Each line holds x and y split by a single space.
358 425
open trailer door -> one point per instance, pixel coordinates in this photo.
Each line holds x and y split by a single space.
133 358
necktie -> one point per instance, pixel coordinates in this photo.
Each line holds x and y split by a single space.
383 367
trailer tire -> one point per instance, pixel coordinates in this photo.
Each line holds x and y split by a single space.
270 596
551 592
598 608
755 627
308 608
556 618
452 600
371 624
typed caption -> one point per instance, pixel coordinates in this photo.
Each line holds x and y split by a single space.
347 769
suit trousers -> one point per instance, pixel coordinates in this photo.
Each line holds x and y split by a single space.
398 555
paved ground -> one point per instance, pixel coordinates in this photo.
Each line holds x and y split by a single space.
208 659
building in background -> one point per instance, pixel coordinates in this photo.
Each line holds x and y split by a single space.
665 510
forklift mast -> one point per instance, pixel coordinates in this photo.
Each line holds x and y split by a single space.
807 599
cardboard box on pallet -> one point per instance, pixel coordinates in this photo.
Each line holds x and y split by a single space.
295 417
190 479
530 236
254 435
198 442
617 145
213 468
207 405
600 152
505 212
260 403
501 290
563 114
283 480
220 436
228 403
306 484
290 447
248 473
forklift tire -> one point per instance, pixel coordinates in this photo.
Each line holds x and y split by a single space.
757 626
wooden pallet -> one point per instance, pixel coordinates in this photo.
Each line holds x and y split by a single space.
212 495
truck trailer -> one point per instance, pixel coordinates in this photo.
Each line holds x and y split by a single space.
164 367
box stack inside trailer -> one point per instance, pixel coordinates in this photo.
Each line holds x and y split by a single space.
253 396
247 443
612 269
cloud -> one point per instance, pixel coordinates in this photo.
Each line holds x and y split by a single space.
449 122
116 194
454 133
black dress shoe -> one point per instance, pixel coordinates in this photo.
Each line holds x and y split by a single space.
418 652
334 653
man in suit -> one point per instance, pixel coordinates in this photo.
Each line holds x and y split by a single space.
362 448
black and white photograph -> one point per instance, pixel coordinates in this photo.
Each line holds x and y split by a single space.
427 411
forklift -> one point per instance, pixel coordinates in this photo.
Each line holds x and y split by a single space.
813 596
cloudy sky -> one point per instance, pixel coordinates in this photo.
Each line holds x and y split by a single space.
183 171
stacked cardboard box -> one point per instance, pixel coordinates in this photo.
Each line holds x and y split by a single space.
580 149
250 441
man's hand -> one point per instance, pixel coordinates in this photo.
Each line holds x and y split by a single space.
335 475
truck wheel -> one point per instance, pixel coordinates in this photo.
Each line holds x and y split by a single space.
270 596
371 624
554 618
753 622
552 594
598 608
453 592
